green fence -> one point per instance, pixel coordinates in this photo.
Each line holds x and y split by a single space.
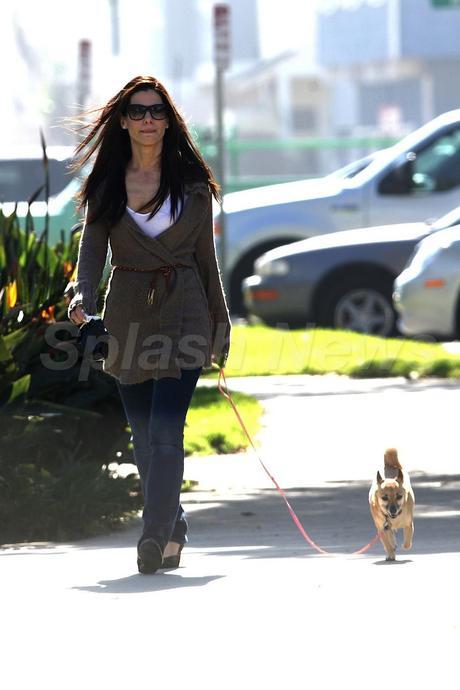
236 148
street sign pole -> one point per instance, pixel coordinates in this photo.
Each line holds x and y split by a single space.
84 73
83 80
221 169
221 16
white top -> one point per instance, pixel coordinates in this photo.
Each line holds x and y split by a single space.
162 219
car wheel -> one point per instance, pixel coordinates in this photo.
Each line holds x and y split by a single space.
360 305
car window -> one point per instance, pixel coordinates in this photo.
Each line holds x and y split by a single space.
433 168
437 166
21 177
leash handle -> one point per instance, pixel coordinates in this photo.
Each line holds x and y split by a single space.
226 393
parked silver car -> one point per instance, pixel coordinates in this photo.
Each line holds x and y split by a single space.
341 280
427 292
416 179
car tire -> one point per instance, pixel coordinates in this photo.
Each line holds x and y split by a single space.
360 303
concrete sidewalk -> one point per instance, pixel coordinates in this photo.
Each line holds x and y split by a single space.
317 429
252 605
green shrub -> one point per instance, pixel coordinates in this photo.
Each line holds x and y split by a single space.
57 433
81 499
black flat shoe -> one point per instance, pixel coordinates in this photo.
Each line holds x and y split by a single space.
149 556
172 561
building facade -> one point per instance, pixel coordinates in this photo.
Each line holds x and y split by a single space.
390 65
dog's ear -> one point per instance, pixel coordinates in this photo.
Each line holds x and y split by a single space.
379 478
400 477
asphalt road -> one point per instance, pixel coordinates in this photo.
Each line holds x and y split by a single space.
252 605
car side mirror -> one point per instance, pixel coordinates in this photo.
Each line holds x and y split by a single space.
399 180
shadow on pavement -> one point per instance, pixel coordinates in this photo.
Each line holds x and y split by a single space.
159 581
336 517
257 525
397 562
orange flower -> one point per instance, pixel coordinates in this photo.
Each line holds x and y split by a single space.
48 314
70 271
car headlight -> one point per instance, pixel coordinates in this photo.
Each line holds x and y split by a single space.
278 267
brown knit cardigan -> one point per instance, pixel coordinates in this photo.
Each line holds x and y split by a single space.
159 321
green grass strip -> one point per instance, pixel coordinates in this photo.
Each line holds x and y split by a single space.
258 350
212 426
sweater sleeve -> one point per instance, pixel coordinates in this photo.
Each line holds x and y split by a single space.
205 255
92 254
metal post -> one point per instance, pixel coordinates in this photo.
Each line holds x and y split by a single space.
220 140
84 73
221 16
115 22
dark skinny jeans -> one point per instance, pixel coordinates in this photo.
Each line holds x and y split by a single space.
156 412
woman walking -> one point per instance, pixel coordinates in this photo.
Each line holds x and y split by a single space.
149 195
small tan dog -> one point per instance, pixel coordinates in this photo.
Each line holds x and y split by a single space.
391 500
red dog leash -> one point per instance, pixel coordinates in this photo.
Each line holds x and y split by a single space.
303 532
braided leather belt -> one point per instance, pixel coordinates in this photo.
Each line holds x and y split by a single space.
166 271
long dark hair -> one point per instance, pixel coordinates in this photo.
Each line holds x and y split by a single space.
181 161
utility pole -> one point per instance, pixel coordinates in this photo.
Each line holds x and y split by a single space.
221 16
115 22
84 73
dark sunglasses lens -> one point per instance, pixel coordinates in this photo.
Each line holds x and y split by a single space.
158 111
138 112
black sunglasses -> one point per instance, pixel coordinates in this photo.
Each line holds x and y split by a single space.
136 111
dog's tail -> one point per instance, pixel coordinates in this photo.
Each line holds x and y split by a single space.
391 459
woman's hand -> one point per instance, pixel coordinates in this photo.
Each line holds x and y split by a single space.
78 315
219 360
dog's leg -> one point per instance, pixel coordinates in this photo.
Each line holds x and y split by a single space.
392 539
387 538
408 535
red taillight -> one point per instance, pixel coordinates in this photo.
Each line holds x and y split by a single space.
435 283
265 295
217 227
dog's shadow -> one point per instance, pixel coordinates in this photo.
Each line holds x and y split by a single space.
396 562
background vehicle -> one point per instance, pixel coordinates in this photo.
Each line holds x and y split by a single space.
427 293
416 179
22 174
340 280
